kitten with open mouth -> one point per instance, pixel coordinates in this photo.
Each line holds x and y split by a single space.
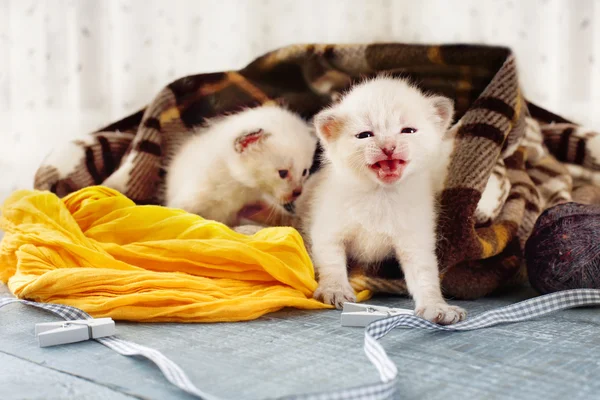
374 198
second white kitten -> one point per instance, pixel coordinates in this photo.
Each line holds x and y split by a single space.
260 156
375 195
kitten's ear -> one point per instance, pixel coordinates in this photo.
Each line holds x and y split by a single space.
444 111
249 140
328 124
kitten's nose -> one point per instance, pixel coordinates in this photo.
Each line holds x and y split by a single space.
296 193
388 151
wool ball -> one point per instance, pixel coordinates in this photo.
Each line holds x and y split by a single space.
563 251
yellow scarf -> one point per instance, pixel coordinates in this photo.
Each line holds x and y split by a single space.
98 251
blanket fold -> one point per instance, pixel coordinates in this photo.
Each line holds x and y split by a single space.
511 159
98 251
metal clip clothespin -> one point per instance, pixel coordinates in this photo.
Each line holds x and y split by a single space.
54 333
355 314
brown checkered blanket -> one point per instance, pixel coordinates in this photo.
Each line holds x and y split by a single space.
511 159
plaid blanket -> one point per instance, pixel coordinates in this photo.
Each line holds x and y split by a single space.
511 159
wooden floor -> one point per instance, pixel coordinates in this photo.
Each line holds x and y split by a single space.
291 352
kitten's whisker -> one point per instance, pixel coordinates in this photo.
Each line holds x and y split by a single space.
274 212
268 213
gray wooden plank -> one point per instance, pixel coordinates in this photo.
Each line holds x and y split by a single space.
21 379
294 351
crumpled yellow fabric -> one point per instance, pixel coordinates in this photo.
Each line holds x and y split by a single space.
98 251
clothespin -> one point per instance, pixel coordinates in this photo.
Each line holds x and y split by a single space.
356 314
54 333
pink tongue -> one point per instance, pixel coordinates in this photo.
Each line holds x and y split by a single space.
389 165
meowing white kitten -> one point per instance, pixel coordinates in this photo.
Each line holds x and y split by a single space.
375 195
259 155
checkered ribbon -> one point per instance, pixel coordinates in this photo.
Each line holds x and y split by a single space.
170 370
388 372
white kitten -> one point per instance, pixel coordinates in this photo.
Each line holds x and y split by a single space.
375 195
259 155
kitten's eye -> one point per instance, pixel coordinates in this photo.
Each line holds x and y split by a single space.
304 172
283 173
364 135
408 130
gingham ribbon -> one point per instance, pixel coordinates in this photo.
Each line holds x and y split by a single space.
388 372
170 370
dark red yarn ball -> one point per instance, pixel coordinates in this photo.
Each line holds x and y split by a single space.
563 251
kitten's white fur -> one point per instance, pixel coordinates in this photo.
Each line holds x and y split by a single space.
350 212
215 173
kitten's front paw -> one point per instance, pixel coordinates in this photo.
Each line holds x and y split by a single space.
247 229
441 313
335 293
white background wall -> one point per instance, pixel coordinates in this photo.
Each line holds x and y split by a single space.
70 66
